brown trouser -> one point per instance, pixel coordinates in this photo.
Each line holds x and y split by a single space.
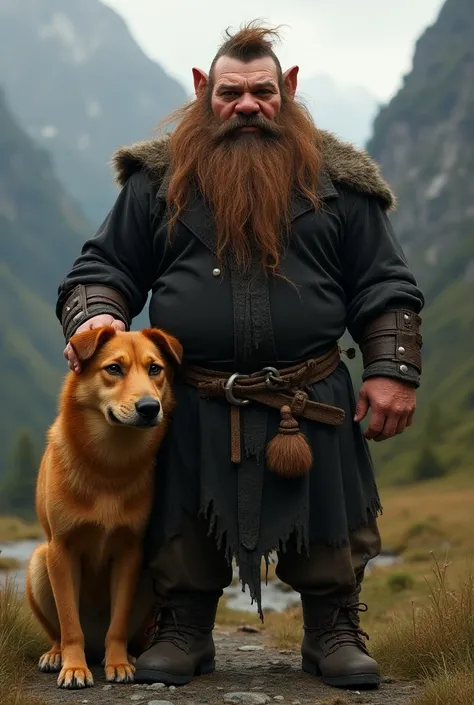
192 562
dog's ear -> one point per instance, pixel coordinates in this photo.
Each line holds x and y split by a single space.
167 343
86 344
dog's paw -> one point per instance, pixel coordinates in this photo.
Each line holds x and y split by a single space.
74 678
120 673
50 662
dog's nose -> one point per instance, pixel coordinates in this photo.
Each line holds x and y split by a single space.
148 408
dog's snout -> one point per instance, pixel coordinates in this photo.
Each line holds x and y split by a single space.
148 408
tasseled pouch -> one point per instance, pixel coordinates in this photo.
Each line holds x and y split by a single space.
288 453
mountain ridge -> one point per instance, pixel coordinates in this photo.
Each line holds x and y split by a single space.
92 90
423 140
41 233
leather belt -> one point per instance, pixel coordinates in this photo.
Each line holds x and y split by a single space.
280 389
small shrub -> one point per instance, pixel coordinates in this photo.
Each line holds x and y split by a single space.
428 466
398 582
416 555
427 534
429 527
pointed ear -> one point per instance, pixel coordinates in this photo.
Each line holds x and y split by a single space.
87 343
201 80
290 79
166 343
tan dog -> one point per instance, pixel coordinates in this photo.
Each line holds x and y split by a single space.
86 584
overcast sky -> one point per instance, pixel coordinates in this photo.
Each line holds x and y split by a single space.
362 42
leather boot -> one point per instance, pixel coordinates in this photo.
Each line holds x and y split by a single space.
333 644
181 644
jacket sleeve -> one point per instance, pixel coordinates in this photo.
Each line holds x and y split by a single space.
118 259
383 300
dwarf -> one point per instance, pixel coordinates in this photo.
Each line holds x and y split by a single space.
262 239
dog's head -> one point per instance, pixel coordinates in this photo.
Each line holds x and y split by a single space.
126 376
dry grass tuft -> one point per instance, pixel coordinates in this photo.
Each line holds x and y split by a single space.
21 643
436 637
286 628
448 688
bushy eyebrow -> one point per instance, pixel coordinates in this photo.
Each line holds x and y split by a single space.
265 84
236 86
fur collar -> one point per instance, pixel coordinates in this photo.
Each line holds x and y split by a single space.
343 163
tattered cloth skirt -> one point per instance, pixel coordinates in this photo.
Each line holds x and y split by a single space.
252 510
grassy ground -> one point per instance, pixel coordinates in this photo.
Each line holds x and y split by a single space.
421 611
20 644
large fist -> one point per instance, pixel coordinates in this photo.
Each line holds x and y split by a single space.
105 319
392 405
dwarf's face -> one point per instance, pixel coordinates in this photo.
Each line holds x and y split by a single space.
245 89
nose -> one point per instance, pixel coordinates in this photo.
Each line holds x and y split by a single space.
148 408
247 105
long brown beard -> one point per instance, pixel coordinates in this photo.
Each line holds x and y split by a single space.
247 179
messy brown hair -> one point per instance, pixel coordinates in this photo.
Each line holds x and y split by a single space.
248 184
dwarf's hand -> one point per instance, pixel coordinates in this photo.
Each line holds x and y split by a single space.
392 404
103 319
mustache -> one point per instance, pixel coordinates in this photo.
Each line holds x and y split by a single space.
230 127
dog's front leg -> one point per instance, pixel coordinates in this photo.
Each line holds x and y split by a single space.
65 574
124 579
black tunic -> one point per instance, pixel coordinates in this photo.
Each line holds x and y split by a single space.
345 268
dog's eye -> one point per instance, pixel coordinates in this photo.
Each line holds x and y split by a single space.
154 370
113 369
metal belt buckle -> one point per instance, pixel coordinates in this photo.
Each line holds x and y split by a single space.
228 390
272 377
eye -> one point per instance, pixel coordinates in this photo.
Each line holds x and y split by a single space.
154 369
114 370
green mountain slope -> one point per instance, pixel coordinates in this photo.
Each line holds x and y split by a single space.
424 140
92 89
41 233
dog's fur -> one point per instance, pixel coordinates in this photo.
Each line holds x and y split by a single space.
86 584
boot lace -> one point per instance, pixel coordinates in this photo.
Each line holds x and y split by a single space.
344 628
167 627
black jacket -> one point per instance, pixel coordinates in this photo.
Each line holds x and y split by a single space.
345 267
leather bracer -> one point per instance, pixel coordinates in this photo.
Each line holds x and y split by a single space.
89 300
391 346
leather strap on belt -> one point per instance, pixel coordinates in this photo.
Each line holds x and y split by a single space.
288 453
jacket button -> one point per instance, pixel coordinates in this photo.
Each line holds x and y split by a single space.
403 369
216 272
406 316
401 350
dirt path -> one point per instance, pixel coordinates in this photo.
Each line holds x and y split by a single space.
264 674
